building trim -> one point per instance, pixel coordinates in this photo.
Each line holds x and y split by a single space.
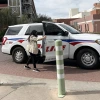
89 21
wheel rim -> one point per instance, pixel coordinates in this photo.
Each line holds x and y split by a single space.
88 59
18 55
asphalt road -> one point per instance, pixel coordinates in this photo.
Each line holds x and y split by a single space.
48 70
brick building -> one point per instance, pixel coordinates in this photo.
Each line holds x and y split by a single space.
89 23
3 4
66 21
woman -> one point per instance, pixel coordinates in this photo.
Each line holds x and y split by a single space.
32 48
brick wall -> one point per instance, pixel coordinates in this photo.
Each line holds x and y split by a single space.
66 21
3 5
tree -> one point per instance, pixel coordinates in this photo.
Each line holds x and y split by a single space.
23 20
6 18
41 18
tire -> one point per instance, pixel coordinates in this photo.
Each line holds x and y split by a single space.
19 55
87 59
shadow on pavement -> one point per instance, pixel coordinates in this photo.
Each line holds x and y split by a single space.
21 84
66 63
70 67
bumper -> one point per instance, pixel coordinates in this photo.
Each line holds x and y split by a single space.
5 50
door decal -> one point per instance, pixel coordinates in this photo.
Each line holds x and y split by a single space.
50 48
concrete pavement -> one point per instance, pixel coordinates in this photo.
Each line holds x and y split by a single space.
26 88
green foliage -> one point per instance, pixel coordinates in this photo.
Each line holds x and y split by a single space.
23 20
7 19
2 34
41 18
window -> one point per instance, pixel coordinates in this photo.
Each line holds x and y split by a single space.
13 30
70 29
87 27
38 28
80 28
10 2
52 29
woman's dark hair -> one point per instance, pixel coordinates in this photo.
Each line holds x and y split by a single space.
34 33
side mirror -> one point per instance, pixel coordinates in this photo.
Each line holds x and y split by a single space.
66 33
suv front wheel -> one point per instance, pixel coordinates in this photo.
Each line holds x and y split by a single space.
19 55
87 59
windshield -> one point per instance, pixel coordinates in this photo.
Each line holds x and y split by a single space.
70 29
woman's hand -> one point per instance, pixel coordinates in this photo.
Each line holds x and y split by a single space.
44 37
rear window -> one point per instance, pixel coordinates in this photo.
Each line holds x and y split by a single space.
13 30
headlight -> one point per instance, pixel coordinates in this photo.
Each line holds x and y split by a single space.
98 41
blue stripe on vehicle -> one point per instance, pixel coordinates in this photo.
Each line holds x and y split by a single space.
65 40
74 40
15 39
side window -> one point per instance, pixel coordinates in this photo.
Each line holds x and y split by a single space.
51 29
38 28
28 31
13 30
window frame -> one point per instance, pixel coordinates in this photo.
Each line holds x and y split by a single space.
53 32
38 31
7 32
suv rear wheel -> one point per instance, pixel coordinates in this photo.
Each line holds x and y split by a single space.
19 55
87 59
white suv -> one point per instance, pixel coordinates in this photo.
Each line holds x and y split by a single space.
85 48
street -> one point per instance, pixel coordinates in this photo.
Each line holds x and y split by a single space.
47 70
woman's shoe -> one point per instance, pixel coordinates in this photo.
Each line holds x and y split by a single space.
27 67
36 70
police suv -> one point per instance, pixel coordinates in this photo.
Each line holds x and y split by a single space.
83 47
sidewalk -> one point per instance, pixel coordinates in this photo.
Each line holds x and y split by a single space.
25 88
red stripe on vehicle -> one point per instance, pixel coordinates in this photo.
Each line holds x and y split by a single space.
52 48
20 41
75 43
64 46
39 46
47 49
